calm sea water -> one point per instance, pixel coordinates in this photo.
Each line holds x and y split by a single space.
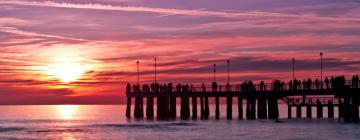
86 122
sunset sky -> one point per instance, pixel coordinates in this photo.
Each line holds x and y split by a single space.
84 51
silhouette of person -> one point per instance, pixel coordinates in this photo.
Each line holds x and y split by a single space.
332 81
203 87
178 87
290 85
304 84
262 85
128 88
353 81
214 86
309 84
317 83
327 82
357 81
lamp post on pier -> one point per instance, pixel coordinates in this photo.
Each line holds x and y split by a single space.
214 80
155 70
321 70
293 64
138 73
228 70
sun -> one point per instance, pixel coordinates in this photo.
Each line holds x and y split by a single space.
67 71
65 64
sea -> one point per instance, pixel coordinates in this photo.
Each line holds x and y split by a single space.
108 122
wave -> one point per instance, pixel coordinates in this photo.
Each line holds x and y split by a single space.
8 129
57 130
152 126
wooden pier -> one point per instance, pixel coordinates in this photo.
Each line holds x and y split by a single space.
267 97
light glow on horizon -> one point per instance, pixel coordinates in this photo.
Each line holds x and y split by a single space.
67 112
67 71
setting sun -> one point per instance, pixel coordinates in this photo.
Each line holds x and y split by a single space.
67 71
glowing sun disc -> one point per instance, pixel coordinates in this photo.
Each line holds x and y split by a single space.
67 71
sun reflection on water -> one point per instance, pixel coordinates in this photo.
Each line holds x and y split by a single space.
67 112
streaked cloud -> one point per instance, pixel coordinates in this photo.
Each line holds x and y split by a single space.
187 38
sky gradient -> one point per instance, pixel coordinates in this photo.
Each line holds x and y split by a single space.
97 43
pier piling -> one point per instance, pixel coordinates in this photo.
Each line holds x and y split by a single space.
229 107
128 107
207 111
202 110
240 107
319 109
298 111
346 109
308 111
273 108
289 112
262 111
355 110
330 109
194 108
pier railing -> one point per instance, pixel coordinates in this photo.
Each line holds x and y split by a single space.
255 87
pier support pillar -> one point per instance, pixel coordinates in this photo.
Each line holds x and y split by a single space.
341 109
319 109
229 107
206 112
172 114
273 108
253 108
250 108
194 108
330 109
202 110
289 112
355 110
137 113
141 107
185 109
240 107
150 107
217 109
128 107
298 111
262 111
308 111
346 109
163 107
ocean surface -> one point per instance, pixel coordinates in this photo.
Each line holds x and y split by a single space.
102 122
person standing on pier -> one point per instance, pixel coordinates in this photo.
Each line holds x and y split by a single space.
327 82
262 85
317 83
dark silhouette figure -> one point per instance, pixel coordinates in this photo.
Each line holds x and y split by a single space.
317 84
304 84
327 83
309 84
355 81
291 85
128 88
278 85
338 82
214 86
262 85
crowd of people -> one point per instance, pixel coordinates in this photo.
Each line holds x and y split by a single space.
305 84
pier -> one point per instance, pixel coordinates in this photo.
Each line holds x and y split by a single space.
261 99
